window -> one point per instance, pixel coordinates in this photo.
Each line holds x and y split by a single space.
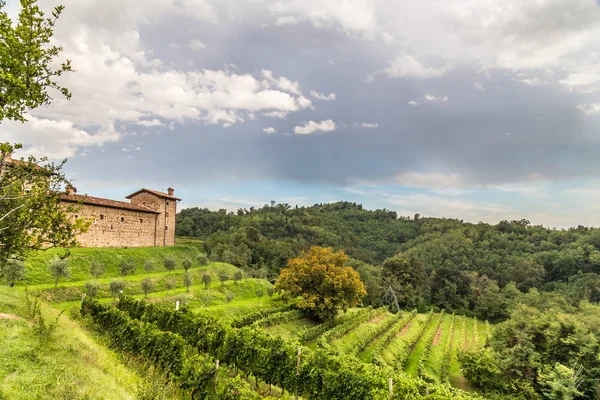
143 202
122 219
76 216
166 228
141 221
101 216
167 203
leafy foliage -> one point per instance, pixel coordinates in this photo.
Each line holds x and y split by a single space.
322 281
27 61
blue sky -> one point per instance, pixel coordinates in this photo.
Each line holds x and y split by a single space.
477 110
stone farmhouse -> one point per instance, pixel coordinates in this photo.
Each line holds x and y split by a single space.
148 219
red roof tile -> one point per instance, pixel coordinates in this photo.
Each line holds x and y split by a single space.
97 201
154 192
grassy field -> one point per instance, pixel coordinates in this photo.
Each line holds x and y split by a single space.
81 258
73 365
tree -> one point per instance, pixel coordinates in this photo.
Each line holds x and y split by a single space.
149 266
59 268
97 269
115 287
91 289
32 217
260 292
13 271
323 282
223 276
147 286
127 266
27 61
187 264
206 279
407 280
169 263
237 276
206 300
170 284
188 280
230 296
202 260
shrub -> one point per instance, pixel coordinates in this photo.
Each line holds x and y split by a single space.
59 268
127 266
206 279
97 269
187 264
115 287
169 263
147 286
223 277
237 276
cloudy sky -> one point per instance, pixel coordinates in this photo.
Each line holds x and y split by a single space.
475 109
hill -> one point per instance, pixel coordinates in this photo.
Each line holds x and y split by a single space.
73 365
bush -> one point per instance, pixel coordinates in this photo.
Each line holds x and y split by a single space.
115 287
169 263
187 264
127 266
147 286
59 268
91 289
230 296
206 279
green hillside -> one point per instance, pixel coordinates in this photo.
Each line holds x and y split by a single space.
74 365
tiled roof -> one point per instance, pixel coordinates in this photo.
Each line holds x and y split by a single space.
97 201
154 192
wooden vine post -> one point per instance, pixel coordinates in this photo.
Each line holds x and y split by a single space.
216 373
177 305
391 387
298 370
82 299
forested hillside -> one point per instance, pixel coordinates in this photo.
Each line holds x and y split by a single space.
539 284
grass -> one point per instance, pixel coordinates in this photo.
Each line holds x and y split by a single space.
399 346
290 329
454 373
74 365
348 342
437 355
71 291
412 363
81 258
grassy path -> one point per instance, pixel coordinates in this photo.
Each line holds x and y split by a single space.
454 374
398 348
412 363
434 364
347 343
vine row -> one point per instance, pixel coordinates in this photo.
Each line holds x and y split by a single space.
390 335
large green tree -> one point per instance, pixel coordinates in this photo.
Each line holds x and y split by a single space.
28 63
322 281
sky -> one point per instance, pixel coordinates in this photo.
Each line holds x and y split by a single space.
481 110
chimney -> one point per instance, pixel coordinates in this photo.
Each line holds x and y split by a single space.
70 189
170 191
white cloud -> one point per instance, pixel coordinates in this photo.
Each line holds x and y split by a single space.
282 83
591 108
119 82
321 96
149 122
54 139
429 180
408 66
349 15
196 45
286 20
269 130
412 103
370 125
532 81
478 86
276 114
312 127
435 99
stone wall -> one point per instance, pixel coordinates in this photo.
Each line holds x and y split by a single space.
113 227
165 232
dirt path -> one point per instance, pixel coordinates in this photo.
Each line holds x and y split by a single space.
405 329
438 334
466 346
9 316
377 319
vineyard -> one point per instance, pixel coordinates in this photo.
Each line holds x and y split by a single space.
237 339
